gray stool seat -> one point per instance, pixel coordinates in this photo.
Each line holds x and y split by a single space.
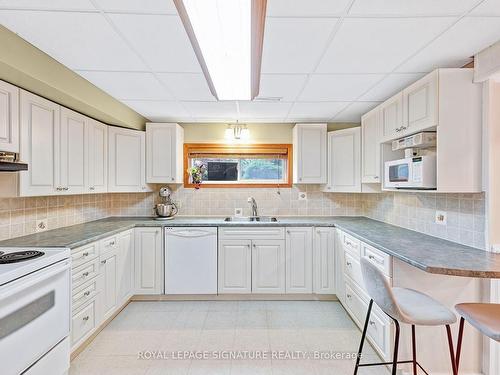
485 317
420 309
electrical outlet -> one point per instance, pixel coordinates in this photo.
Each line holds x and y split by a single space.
238 212
441 217
41 225
302 196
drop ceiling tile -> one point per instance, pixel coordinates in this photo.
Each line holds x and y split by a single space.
411 7
390 86
135 6
294 45
159 110
378 45
284 86
337 87
77 40
187 86
223 111
310 8
128 85
488 8
456 47
316 111
354 111
52 4
161 40
255 110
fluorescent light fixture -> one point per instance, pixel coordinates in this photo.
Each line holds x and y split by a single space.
227 37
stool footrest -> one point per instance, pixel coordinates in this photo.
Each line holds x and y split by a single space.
390 363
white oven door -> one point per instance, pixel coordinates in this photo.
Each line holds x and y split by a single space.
34 316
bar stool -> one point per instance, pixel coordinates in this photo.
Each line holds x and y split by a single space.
485 317
403 306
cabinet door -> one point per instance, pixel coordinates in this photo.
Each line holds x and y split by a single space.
391 117
164 153
127 160
9 117
299 256
309 154
344 161
324 261
97 157
125 267
268 266
72 160
339 267
148 264
370 147
235 266
39 145
108 289
420 103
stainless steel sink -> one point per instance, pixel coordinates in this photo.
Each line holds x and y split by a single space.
251 219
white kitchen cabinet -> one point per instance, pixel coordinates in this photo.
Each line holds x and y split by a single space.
108 289
97 157
39 145
299 259
344 161
127 160
73 148
339 267
125 266
309 154
164 153
148 264
420 104
370 147
9 117
391 117
324 261
235 266
268 266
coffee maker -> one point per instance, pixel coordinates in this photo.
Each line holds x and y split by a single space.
166 209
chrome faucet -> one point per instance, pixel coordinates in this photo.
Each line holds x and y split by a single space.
252 201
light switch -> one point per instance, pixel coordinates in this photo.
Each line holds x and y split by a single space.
302 196
441 217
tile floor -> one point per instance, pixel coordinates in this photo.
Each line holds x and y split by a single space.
244 327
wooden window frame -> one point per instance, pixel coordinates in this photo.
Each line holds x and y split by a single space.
188 147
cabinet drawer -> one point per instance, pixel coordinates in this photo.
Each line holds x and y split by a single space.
352 268
83 254
351 245
84 293
108 244
84 273
355 304
83 322
255 233
380 259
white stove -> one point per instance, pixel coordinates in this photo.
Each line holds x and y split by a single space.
35 308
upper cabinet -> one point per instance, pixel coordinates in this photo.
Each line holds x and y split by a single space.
391 116
97 156
164 153
344 161
127 160
309 154
370 147
420 106
9 117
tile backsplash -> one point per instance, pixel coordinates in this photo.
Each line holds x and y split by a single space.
415 211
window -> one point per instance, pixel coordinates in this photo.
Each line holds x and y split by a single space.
245 166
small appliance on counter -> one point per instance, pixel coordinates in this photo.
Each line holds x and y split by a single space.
166 209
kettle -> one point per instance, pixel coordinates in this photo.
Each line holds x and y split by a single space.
167 208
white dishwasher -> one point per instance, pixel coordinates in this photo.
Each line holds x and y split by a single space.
191 260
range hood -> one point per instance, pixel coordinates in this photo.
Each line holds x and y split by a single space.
9 163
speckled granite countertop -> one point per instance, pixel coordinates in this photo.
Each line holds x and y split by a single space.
425 252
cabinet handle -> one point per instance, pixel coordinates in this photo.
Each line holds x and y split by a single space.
66 188
85 274
300 178
144 188
58 188
349 296
103 261
349 264
92 188
254 245
173 179
288 231
376 177
85 318
85 254
87 293
372 323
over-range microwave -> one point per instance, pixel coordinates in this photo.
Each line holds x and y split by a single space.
411 173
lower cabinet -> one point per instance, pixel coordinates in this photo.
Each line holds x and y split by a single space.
125 266
268 266
148 263
235 266
299 260
324 271
108 275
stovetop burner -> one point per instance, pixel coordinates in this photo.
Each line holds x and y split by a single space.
19 256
